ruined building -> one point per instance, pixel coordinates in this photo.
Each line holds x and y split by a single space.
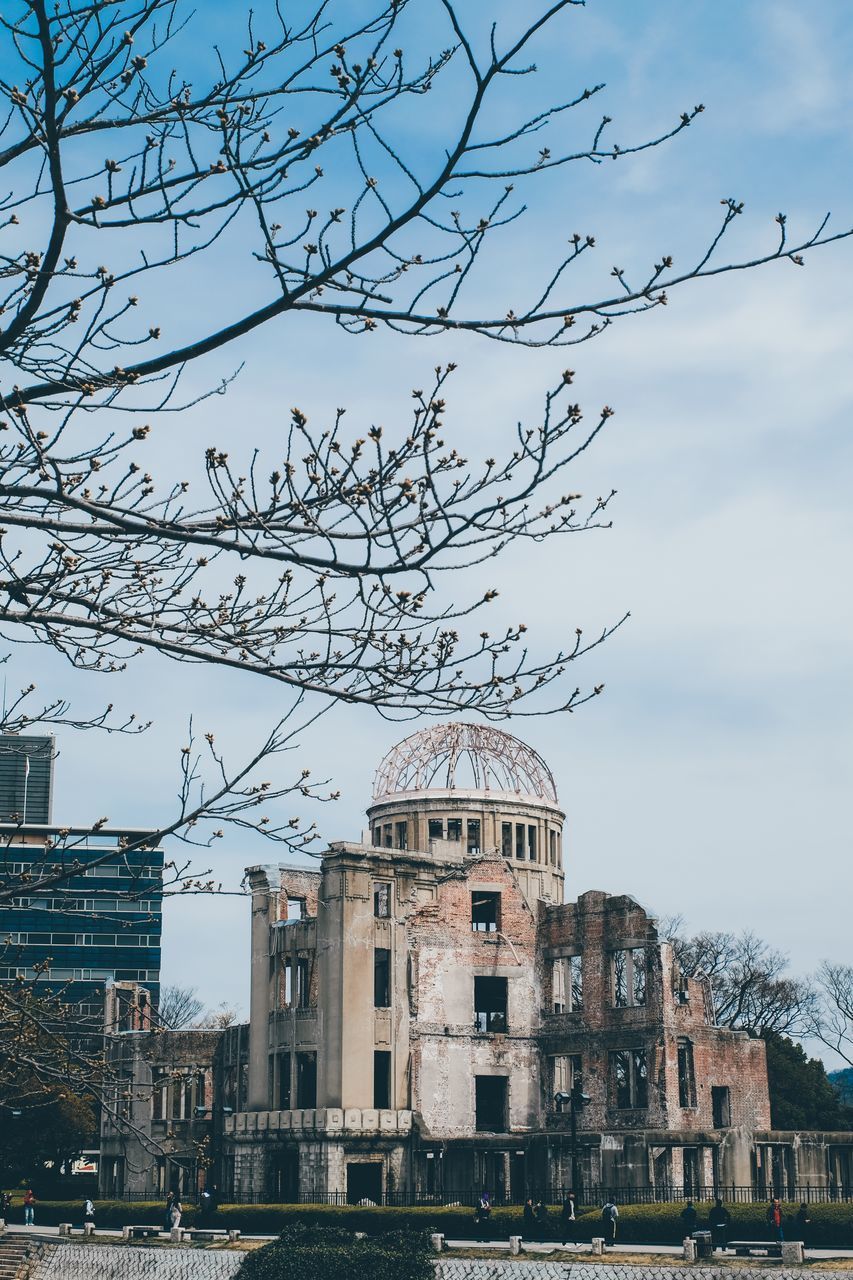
429 1017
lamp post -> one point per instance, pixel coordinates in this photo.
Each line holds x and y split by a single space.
576 1099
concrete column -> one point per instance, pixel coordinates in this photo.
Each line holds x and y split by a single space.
265 883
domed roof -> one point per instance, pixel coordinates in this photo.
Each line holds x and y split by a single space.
447 757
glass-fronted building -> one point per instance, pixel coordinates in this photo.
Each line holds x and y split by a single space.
99 925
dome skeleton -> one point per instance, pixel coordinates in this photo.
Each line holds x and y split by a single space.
432 758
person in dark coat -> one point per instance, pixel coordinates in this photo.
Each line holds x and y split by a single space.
689 1219
528 1220
720 1221
802 1222
167 1211
483 1214
541 1219
609 1214
568 1220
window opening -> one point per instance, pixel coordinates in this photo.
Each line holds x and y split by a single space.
381 1079
381 978
629 1079
436 828
490 1004
629 975
686 1075
519 840
454 828
284 1087
721 1105
566 1076
506 839
306 1080
473 835
485 911
401 835
531 843
382 901
295 908
490 1103
387 840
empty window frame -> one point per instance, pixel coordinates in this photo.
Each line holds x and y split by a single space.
566 1076
490 1097
473 843
388 835
306 1080
160 1095
454 829
401 835
377 837
284 1082
506 839
303 984
629 977
382 901
519 840
436 828
295 908
381 1079
629 1081
485 911
490 1004
721 1106
567 985
552 847
381 978
531 843
686 1075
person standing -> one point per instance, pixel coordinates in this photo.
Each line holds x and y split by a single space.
175 1213
29 1207
484 1213
689 1219
775 1219
5 1206
720 1221
802 1222
89 1213
609 1215
568 1220
528 1220
541 1219
167 1211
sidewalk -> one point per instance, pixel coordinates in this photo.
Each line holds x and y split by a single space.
549 1247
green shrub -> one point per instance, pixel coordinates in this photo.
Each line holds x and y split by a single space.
337 1254
831 1225
108 1213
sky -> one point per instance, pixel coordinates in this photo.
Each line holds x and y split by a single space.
712 777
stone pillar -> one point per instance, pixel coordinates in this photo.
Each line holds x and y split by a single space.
265 883
689 1247
792 1253
598 1245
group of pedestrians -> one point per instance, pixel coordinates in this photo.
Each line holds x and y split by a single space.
719 1221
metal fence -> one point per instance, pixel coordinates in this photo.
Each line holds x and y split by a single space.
588 1197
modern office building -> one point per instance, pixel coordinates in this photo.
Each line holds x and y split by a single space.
100 924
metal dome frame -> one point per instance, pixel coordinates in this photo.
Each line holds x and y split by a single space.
497 760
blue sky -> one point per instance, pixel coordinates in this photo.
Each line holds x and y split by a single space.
713 777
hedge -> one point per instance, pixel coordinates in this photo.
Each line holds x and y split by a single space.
337 1254
831 1224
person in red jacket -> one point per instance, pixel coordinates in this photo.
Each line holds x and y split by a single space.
29 1207
775 1220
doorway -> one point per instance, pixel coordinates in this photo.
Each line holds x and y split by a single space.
364 1182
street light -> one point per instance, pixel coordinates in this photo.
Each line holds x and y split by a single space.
577 1098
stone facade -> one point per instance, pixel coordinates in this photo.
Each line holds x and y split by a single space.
429 1018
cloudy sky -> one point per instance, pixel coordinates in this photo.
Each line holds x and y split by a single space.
713 777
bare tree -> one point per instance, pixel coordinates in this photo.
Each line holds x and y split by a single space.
319 569
179 1007
831 1021
751 989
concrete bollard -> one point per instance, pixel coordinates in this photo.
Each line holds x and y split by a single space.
437 1241
792 1253
689 1250
88 1228
126 1233
233 1235
598 1245
514 1244
65 1228
176 1235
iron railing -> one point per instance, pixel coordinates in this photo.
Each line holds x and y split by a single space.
589 1197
